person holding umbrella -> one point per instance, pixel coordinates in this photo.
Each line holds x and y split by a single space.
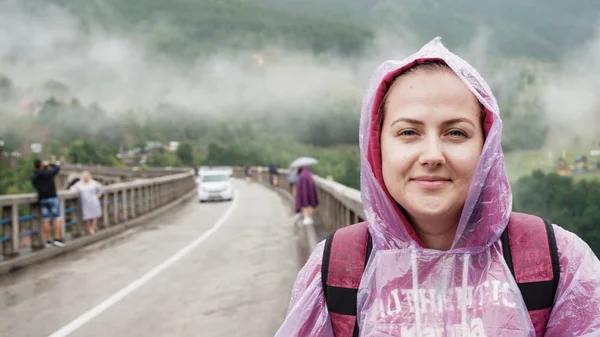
306 190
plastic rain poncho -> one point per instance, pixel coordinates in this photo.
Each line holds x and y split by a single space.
306 190
408 290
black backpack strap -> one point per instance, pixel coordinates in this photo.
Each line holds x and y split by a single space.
506 251
553 254
325 264
540 294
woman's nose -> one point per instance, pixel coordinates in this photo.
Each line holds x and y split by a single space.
432 154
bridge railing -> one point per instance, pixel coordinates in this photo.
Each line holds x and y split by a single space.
21 222
339 205
112 175
135 172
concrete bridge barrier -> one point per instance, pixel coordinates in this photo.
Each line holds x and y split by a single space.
124 204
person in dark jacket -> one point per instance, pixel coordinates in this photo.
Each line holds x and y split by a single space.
43 182
248 173
273 174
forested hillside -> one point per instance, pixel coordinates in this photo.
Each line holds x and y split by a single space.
515 28
188 28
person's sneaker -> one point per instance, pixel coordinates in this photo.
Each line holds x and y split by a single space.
58 243
48 244
307 221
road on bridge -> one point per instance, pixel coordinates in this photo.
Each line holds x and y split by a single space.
212 269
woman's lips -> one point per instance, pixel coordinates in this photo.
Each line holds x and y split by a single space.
432 183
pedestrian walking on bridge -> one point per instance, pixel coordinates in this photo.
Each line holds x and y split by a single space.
248 174
306 195
292 180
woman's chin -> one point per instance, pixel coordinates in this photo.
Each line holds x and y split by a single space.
431 209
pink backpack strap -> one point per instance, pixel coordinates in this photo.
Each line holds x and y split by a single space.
530 252
345 256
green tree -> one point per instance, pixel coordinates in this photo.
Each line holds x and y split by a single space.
88 152
185 153
163 159
6 87
572 205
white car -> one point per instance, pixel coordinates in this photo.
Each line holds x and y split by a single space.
215 185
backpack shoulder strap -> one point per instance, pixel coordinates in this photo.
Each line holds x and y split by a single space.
530 251
345 256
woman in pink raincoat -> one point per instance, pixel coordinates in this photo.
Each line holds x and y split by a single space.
437 200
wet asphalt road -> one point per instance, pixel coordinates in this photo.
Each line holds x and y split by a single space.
235 282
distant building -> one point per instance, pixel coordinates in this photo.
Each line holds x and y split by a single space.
173 146
139 155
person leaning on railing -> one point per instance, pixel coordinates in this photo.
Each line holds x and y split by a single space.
90 191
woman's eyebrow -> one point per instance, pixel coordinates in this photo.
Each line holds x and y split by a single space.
407 120
445 123
456 121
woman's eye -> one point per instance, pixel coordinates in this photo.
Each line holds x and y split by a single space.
457 133
407 133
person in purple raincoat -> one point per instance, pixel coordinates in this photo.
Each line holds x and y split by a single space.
436 199
306 195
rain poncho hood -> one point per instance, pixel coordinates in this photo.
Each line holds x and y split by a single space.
409 290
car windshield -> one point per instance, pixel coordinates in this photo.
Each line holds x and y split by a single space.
215 178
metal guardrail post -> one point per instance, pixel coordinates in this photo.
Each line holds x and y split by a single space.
144 196
125 203
104 211
62 216
146 199
6 231
76 217
154 193
115 208
14 230
161 197
161 194
133 202
168 193
152 196
37 240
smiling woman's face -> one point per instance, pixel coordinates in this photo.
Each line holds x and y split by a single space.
431 140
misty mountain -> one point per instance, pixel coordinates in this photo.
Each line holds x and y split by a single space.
528 28
112 52
185 28
188 28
